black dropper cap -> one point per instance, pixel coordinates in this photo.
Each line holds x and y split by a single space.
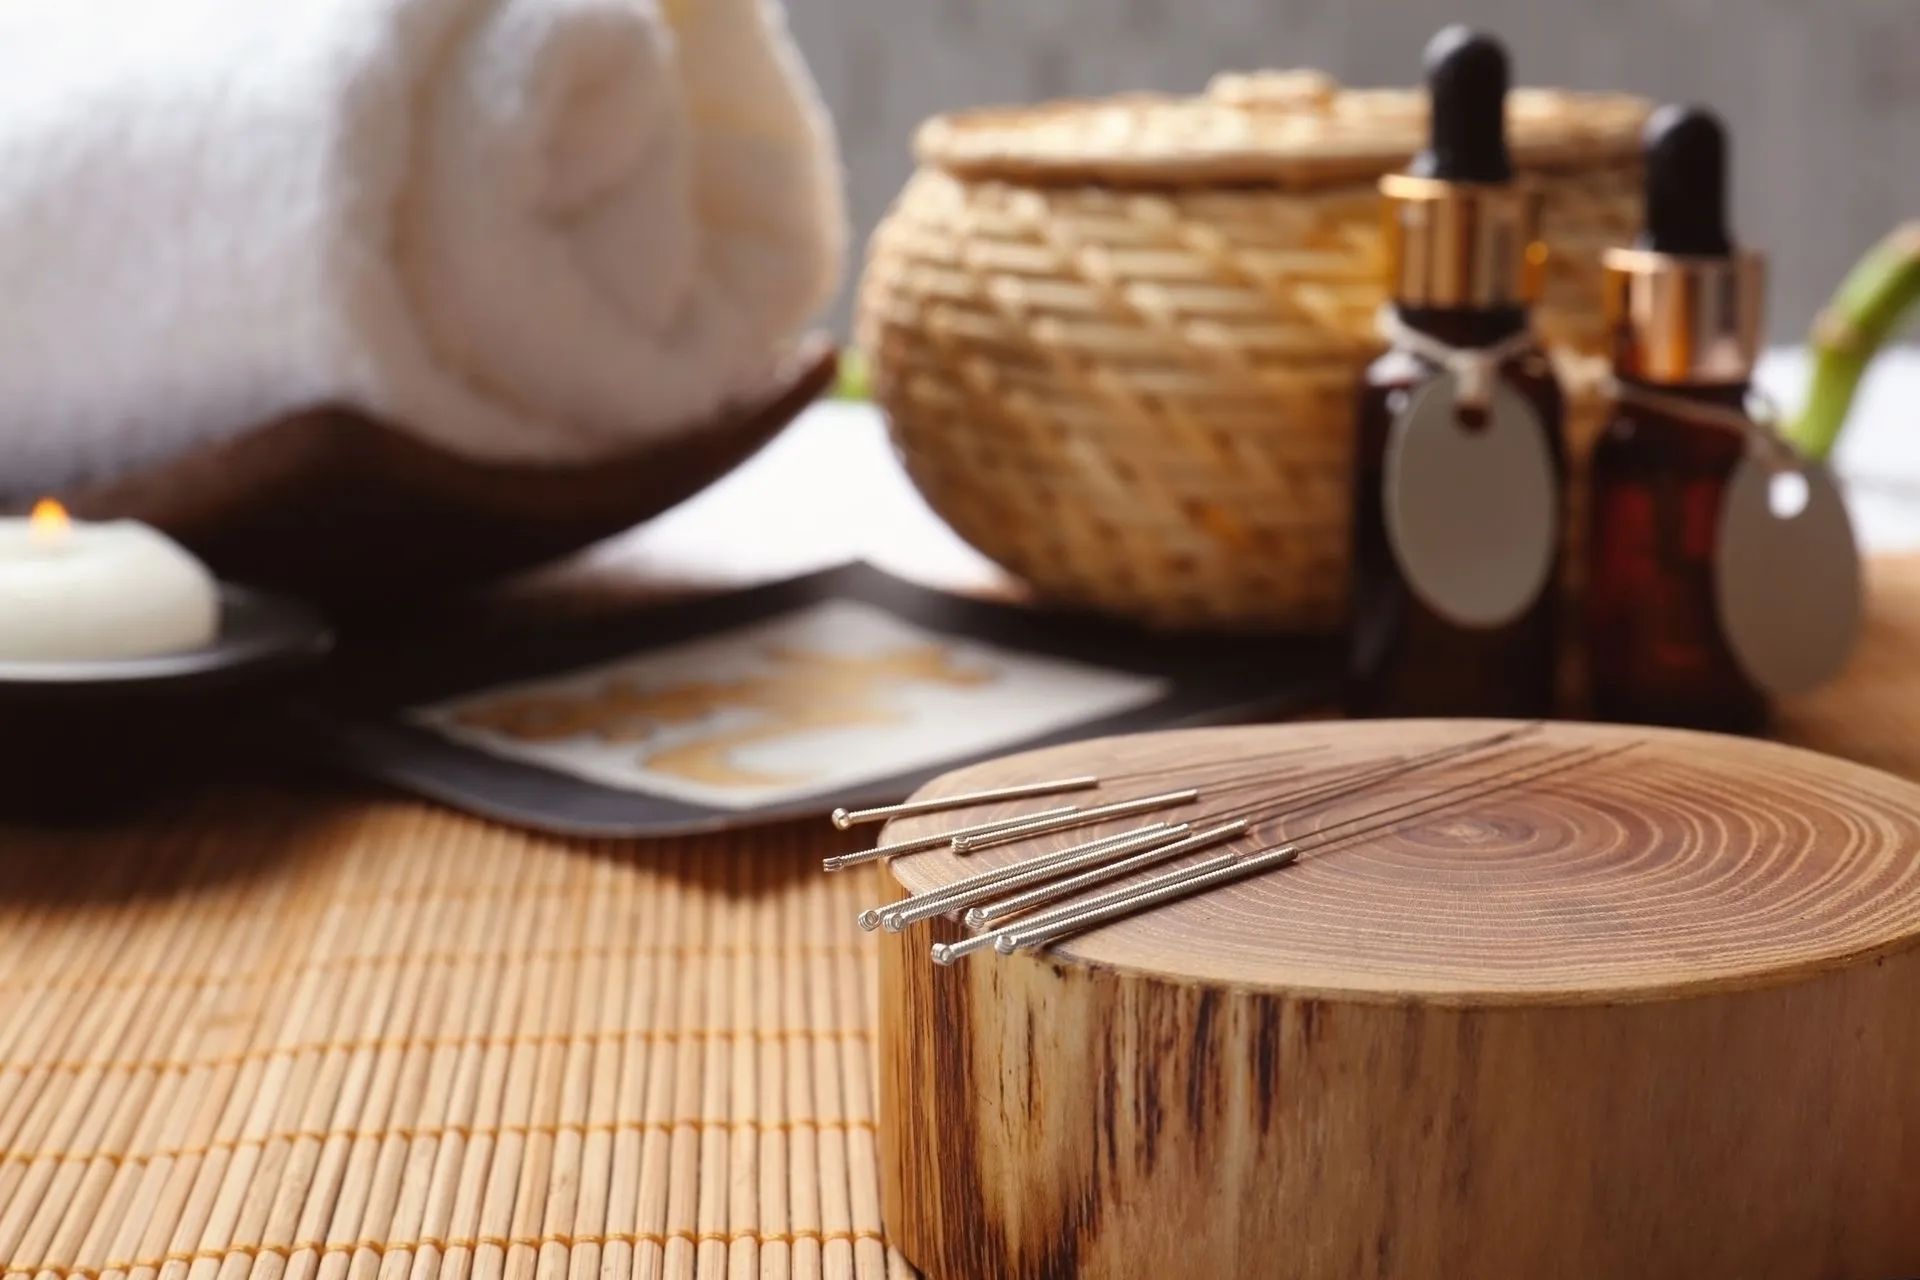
1686 154
1467 82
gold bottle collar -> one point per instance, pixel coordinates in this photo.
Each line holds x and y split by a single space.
1678 319
1462 244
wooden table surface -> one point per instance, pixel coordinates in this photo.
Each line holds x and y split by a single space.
302 1027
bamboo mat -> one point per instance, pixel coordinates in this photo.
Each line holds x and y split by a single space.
269 1034
277 1037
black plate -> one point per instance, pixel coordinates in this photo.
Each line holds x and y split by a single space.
378 677
261 636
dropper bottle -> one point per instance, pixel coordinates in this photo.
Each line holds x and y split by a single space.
1683 307
1455 566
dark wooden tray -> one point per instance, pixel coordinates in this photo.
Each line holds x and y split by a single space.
335 507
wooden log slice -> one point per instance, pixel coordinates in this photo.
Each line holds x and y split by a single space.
1656 1015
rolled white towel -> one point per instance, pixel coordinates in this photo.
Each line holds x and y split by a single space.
522 229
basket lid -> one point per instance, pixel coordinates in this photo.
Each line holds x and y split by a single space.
1294 128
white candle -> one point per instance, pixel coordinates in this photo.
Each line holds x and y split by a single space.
73 592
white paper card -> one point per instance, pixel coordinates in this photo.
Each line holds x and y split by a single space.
827 697
1786 582
1472 515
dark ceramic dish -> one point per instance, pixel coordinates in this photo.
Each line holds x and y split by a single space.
261 636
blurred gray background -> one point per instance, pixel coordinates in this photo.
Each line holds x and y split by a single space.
1823 95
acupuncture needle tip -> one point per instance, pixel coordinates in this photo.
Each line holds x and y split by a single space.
841 819
943 953
893 922
869 919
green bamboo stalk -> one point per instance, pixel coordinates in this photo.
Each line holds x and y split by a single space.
1865 312
854 382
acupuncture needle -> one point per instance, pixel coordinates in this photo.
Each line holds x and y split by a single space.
839 862
972 842
1127 900
1022 931
846 818
968 889
914 908
972 889
873 917
947 953
1267 811
957 837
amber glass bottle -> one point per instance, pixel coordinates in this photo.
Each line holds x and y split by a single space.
1464 259
1656 654
1684 313
1404 658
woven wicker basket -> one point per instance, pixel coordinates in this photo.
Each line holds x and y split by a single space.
1117 341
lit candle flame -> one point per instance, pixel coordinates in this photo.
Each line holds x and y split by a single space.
49 523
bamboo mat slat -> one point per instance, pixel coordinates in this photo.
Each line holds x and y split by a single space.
268 1036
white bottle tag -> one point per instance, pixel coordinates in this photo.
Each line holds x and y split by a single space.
1472 513
1786 572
